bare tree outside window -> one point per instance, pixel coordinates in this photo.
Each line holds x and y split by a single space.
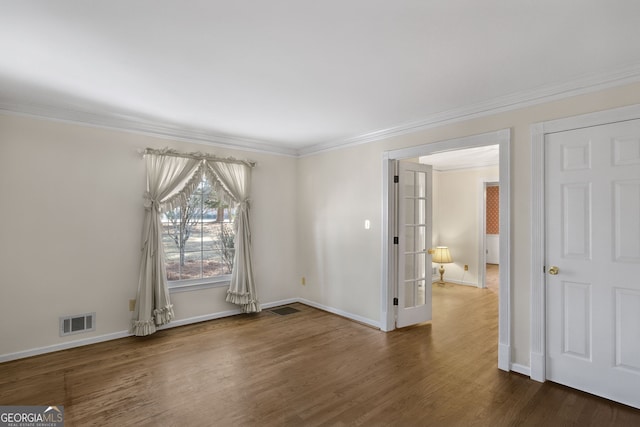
198 238
226 236
182 221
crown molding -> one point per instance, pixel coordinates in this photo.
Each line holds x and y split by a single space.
579 86
109 120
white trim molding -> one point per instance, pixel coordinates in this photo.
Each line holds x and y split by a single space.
457 282
155 127
63 346
504 292
501 138
538 319
521 369
538 355
177 323
579 86
138 125
341 313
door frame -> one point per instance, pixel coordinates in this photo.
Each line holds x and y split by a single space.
538 352
502 138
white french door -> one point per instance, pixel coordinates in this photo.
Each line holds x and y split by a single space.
592 235
413 232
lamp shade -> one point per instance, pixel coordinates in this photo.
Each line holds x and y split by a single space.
441 255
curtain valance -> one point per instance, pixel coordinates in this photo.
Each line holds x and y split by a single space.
169 152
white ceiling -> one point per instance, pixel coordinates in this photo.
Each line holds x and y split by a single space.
294 76
466 158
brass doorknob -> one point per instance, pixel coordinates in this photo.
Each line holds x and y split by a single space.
554 270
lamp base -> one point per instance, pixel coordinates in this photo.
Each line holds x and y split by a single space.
441 271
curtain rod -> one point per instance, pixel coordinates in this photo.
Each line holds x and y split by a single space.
197 156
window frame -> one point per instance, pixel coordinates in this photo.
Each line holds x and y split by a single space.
186 285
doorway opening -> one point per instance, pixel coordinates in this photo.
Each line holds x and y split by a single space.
500 138
490 229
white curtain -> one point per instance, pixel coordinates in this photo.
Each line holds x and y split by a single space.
235 178
170 182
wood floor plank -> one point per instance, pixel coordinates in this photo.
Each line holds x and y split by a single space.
309 368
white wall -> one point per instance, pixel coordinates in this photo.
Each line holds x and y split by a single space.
339 189
457 205
337 192
70 225
66 250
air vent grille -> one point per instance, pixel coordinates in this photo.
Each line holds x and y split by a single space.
77 324
283 311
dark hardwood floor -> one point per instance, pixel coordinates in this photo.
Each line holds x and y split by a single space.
307 368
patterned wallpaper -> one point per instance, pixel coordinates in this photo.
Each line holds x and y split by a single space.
493 210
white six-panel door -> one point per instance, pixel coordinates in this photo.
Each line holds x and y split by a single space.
592 234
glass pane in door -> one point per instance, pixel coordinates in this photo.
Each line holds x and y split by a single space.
410 243
421 297
410 294
410 211
421 211
421 184
420 261
420 238
409 266
409 183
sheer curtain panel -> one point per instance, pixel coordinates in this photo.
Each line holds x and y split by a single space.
170 182
235 179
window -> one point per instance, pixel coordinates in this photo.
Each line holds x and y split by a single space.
198 238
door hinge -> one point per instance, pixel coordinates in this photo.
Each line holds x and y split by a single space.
396 241
396 179
395 301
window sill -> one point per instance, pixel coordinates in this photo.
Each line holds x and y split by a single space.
197 285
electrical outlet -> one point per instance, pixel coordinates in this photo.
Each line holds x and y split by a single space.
132 305
466 267
303 280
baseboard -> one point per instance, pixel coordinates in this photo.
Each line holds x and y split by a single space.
521 369
63 346
504 357
114 336
537 367
457 282
355 317
221 314
198 319
279 303
175 324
